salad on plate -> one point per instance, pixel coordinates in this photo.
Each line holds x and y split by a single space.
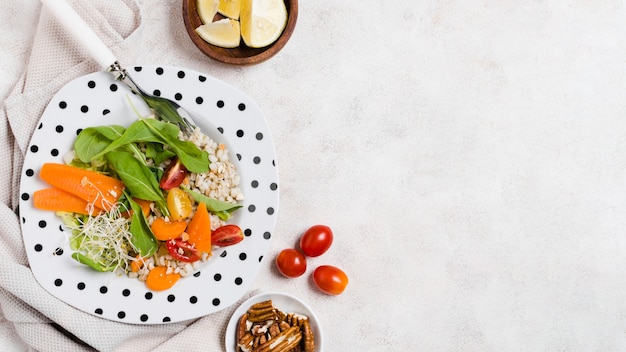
145 200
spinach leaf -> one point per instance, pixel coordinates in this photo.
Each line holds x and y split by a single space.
194 159
93 140
138 133
156 152
137 177
155 131
142 237
222 209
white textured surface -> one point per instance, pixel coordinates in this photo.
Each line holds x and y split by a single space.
470 157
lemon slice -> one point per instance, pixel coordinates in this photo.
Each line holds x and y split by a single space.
262 21
223 33
207 10
229 8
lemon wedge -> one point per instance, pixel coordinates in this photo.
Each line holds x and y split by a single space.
224 33
262 21
229 8
207 10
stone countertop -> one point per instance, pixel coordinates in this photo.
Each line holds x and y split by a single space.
470 157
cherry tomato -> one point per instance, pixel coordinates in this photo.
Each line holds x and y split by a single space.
316 240
330 280
226 235
178 203
173 175
183 251
291 262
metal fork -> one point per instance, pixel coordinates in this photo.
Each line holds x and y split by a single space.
164 109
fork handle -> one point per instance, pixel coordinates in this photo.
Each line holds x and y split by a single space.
79 29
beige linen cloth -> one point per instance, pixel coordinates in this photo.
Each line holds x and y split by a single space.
30 318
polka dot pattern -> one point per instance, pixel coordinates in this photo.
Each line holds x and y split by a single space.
231 117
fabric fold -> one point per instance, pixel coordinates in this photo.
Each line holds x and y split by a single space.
43 322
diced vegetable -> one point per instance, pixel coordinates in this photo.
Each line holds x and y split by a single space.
179 204
144 204
227 235
158 279
182 251
199 229
136 264
164 230
173 175
58 200
101 190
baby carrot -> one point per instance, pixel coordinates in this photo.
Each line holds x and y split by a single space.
199 229
58 200
96 188
164 230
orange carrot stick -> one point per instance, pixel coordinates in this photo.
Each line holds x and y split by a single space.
96 188
199 229
164 231
58 200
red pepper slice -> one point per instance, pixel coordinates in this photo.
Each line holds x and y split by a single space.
183 251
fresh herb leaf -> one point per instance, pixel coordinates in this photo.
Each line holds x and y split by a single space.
155 131
194 159
137 132
222 209
137 177
93 140
156 152
142 237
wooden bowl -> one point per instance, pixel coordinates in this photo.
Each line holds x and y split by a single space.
241 55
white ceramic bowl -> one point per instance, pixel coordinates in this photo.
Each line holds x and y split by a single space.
283 301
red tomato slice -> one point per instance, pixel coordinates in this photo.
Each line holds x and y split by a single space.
183 251
226 235
173 175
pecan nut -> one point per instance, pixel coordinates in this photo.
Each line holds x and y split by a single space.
265 328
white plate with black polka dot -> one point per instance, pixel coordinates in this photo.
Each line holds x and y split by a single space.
227 115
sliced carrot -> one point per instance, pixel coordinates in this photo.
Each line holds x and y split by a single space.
144 204
136 264
164 231
96 188
158 279
145 208
199 229
58 200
